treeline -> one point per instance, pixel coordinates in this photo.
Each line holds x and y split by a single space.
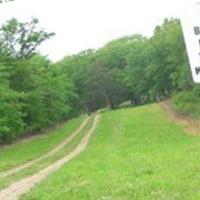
36 93
132 68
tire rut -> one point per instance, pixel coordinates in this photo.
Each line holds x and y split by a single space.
15 190
50 153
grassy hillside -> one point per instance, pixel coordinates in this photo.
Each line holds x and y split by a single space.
24 151
135 153
47 161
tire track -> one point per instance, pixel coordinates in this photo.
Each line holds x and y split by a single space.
15 190
53 151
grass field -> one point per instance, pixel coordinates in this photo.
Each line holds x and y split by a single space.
135 153
22 152
46 161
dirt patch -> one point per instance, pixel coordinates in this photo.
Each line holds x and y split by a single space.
53 151
191 126
15 190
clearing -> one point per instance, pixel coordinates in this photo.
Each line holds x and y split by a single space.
134 153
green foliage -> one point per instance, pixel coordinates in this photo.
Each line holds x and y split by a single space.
33 93
187 102
11 122
133 68
20 40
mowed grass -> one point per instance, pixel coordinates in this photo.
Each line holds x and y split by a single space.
21 152
34 168
134 153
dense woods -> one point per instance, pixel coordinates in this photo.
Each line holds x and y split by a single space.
36 93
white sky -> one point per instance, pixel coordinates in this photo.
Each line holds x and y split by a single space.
83 24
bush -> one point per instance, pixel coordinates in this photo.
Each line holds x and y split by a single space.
188 102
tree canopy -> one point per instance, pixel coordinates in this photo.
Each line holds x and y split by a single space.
36 93
20 40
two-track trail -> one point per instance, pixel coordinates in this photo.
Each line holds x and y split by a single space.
50 153
18 188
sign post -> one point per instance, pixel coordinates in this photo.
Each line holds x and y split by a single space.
191 28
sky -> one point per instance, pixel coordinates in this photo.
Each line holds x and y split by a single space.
84 24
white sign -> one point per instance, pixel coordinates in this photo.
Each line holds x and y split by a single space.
191 28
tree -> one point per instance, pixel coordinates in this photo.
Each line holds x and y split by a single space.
20 40
134 75
168 66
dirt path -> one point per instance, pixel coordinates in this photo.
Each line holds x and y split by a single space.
190 125
50 153
18 188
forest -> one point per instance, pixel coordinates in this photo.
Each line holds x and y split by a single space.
36 93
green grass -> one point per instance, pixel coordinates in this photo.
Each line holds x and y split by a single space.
49 160
134 154
22 152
